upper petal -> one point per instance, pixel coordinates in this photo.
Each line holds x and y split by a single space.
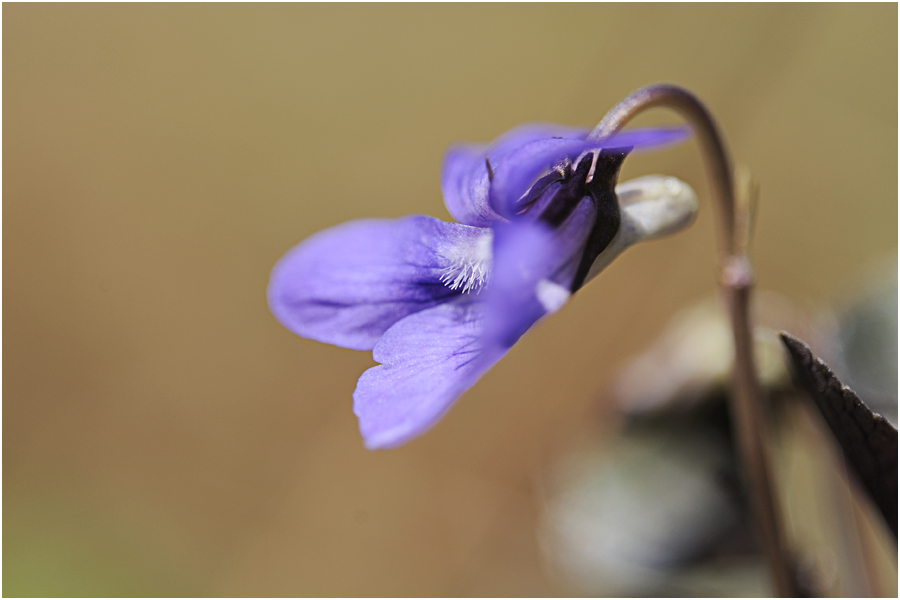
348 284
464 174
518 172
427 360
523 165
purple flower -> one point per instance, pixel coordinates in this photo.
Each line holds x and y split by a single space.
439 303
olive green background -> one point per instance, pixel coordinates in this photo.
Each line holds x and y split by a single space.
162 434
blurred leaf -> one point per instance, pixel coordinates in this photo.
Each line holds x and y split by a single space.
868 440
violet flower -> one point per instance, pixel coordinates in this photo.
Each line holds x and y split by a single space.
439 303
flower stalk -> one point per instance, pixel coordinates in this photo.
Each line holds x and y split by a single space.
732 206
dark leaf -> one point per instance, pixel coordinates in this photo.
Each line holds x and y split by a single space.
868 440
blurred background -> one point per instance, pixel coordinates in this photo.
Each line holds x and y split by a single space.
163 435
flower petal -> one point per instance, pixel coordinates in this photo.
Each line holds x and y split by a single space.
523 256
532 274
645 138
348 284
465 183
521 167
464 174
529 132
427 360
518 172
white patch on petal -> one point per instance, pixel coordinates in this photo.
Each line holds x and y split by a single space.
551 295
470 264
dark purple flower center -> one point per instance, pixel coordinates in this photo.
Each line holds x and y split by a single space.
553 198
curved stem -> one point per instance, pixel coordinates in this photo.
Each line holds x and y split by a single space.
736 279
694 112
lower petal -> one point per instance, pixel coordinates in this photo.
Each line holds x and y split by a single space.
427 360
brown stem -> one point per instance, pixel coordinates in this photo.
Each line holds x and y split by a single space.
736 279
694 112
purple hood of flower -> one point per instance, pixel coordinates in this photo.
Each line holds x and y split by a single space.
439 303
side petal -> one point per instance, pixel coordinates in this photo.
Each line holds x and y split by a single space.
532 275
464 174
427 360
348 284
465 184
533 267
